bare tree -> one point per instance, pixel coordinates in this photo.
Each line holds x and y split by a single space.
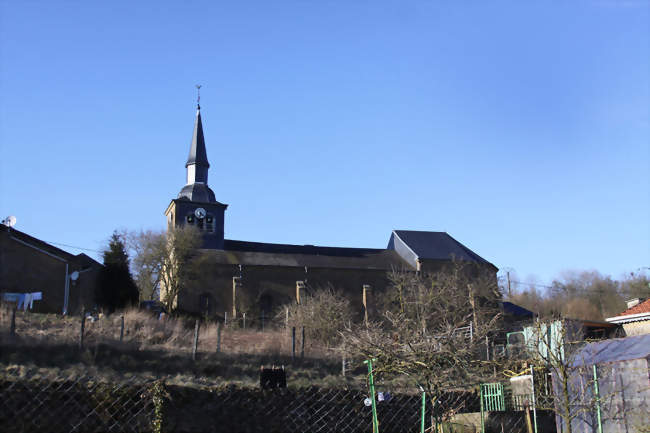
162 261
323 313
433 330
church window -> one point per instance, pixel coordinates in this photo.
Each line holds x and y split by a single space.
205 303
266 303
209 224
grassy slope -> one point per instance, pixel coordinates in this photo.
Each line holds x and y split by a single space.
47 345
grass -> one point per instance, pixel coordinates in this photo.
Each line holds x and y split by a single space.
46 345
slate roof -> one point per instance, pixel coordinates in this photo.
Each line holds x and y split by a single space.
438 246
81 258
617 349
643 307
198 192
198 155
515 310
267 254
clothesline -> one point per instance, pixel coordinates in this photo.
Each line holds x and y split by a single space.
24 300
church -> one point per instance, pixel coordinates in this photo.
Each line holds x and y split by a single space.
256 278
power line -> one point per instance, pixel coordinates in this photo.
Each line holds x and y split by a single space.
533 284
72 246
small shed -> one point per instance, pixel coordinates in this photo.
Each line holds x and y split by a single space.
610 384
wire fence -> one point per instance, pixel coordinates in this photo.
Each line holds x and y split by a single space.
80 404
83 404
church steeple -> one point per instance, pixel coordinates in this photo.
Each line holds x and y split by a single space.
197 165
197 162
196 205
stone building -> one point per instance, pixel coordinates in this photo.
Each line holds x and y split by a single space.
257 277
27 264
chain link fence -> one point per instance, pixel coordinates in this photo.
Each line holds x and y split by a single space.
80 404
85 404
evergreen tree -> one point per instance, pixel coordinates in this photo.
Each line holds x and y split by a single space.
115 286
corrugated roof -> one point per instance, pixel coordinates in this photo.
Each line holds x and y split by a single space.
438 246
618 349
643 307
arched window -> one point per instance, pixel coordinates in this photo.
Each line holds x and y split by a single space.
266 303
209 223
205 303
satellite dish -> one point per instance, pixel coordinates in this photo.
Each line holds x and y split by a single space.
74 276
10 221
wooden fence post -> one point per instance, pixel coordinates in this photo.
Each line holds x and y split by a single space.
196 339
12 328
343 365
218 337
293 343
81 331
302 343
244 316
122 329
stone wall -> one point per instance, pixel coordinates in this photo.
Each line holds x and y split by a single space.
267 287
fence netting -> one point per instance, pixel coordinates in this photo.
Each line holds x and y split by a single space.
79 404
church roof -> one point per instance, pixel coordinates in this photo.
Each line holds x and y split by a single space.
267 254
437 246
198 154
198 192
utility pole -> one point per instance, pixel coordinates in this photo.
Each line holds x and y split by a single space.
509 290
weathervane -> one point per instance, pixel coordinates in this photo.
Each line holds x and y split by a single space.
198 97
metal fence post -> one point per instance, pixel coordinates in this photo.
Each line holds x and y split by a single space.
122 329
532 381
196 339
597 395
371 385
218 337
81 331
293 343
424 411
480 387
302 343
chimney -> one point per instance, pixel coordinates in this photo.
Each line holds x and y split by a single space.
368 307
236 286
634 302
300 285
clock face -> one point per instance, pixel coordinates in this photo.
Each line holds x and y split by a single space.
200 213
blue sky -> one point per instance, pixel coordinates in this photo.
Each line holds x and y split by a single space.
520 128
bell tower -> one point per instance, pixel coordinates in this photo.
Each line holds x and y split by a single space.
196 204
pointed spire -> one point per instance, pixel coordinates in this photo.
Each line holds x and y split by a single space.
198 155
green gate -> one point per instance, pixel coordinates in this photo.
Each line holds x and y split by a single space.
492 398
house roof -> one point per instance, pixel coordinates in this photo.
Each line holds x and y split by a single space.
617 349
438 246
81 258
266 254
515 310
639 312
643 307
